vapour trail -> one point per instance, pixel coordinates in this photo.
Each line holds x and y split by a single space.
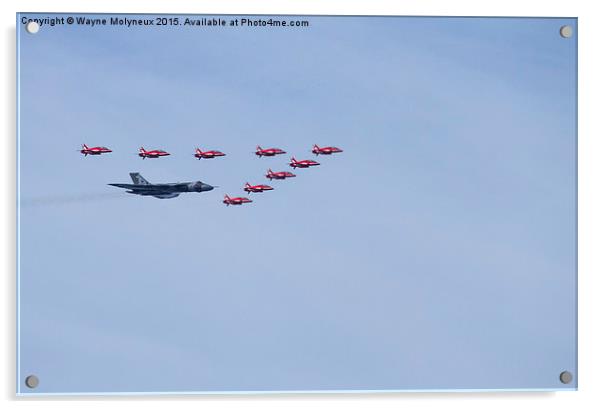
70 199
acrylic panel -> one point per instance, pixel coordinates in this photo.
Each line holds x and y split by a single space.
426 242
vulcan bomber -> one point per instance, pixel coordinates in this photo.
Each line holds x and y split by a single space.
143 187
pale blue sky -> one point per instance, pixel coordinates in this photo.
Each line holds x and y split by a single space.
438 251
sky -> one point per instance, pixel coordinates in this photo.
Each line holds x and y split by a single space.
438 251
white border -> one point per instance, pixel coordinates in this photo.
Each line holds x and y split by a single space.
590 199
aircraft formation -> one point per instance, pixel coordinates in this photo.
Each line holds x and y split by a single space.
141 186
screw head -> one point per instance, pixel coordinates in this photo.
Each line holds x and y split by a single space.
566 31
32 27
32 381
566 377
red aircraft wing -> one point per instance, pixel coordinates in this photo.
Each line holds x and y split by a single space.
268 152
208 154
306 163
328 150
155 153
256 188
96 150
235 200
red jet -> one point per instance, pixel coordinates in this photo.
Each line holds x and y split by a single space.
268 152
97 150
279 175
327 150
207 154
155 153
257 188
302 163
235 200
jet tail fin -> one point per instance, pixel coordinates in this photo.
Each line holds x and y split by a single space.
138 179
85 146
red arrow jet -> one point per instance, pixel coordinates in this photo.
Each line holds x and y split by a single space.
207 154
235 200
268 152
256 188
279 175
97 150
302 163
155 153
327 150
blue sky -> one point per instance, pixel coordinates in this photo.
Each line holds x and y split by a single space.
437 251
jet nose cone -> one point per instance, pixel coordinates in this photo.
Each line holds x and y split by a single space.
200 187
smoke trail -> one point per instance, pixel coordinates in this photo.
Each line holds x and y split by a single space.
70 199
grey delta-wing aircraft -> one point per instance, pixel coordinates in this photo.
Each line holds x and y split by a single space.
143 187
